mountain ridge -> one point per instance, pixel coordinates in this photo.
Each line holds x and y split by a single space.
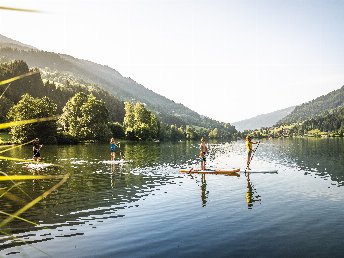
263 120
315 107
11 42
109 79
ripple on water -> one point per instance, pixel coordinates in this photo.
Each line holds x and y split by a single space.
147 208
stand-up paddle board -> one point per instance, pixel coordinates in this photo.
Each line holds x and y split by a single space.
115 161
38 166
78 162
211 171
259 171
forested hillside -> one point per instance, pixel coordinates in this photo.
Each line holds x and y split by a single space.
109 79
329 122
321 117
85 112
315 107
265 120
59 92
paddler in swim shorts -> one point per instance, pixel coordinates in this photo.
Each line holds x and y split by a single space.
203 151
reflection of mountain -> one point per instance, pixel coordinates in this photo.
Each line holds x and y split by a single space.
323 157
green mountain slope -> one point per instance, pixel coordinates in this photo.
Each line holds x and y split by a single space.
112 81
265 120
58 87
330 122
316 107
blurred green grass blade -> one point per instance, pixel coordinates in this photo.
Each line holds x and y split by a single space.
18 9
16 217
8 81
16 146
34 202
29 121
4 191
13 197
18 77
14 159
29 177
3 93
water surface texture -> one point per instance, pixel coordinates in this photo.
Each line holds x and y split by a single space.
146 208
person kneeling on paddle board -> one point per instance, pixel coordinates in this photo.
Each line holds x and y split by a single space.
203 151
249 143
36 150
113 147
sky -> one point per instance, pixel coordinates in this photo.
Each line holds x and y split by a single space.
228 60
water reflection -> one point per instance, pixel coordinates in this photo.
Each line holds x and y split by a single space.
203 184
152 154
94 192
251 194
204 192
97 191
36 186
322 157
112 178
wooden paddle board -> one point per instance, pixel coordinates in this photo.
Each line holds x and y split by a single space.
223 171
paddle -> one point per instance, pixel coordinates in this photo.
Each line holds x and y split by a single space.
120 151
252 157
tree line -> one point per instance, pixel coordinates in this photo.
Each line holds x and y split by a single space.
329 123
85 113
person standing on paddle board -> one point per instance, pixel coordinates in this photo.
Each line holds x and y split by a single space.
113 147
249 144
203 151
36 150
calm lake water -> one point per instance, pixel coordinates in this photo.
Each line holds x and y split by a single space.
146 208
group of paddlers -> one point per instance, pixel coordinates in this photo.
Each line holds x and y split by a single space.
113 145
37 149
204 150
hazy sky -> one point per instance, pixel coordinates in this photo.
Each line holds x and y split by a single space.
229 60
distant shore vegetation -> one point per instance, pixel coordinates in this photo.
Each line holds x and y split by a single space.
330 124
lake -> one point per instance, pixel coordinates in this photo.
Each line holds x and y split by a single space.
146 208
